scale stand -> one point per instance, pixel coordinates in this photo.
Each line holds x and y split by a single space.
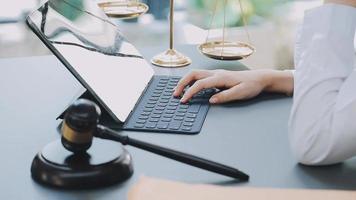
171 58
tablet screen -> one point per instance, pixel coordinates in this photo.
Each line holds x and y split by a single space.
94 50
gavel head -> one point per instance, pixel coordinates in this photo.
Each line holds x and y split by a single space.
79 124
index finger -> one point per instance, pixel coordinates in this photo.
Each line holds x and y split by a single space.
202 84
188 79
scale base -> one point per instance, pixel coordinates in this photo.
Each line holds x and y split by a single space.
171 59
106 163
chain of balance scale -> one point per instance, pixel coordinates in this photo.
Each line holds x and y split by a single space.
227 50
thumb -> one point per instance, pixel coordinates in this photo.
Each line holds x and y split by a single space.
234 93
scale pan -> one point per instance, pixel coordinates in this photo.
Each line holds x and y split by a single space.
123 9
226 50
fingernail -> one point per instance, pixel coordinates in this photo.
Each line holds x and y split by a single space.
213 100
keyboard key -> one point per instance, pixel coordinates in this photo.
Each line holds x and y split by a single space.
199 94
180 114
151 125
188 124
182 110
194 108
167 94
209 92
162 104
175 79
166 119
155 95
139 125
184 106
175 125
162 125
145 113
185 128
163 82
191 115
160 108
199 101
166 97
147 110
169 87
154 98
163 100
171 107
151 102
141 121
173 103
153 120
157 112
175 100
155 116
150 106
189 120
167 115
178 118
157 92
169 112
172 84
143 117
160 88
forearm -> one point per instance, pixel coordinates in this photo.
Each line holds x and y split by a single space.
279 81
344 2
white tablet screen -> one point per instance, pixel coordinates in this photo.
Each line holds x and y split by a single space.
94 50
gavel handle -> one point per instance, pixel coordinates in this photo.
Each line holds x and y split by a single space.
106 133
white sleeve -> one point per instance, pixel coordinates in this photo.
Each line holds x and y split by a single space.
322 124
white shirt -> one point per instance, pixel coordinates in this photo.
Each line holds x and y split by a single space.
322 125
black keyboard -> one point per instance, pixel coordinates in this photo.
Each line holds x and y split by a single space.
159 111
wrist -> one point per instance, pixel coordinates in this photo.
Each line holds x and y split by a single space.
342 2
267 79
279 81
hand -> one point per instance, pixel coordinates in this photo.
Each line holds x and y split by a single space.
236 85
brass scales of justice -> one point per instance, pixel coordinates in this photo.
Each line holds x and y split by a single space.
218 49
123 9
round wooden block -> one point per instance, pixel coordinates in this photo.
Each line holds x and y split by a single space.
105 163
